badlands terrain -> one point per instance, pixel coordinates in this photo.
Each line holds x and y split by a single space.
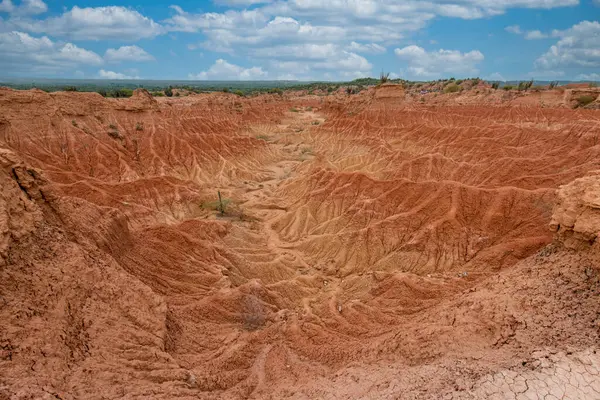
386 245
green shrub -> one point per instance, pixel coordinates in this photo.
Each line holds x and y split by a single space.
169 92
115 134
495 85
384 77
525 85
583 101
219 205
117 93
451 88
507 87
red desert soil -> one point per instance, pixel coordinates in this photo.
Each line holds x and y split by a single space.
379 247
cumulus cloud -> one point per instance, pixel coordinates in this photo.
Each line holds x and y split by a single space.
27 7
24 53
369 48
532 35
127 53
341 31
222 70
589 77
312 61
6 6
434 64
516 29
336 20
103 74
240 3
346 30
579 46
229 20
94 23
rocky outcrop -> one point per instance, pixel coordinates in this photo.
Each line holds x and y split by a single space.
576 217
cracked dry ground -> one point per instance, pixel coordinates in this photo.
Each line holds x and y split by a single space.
371 248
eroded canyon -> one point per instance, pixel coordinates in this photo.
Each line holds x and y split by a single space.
372 246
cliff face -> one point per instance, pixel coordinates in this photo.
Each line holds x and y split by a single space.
576 217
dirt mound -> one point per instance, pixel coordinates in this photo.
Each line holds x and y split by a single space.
389 91
362 247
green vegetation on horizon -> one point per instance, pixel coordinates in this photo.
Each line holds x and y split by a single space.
157 88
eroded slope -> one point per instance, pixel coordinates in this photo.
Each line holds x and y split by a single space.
370 247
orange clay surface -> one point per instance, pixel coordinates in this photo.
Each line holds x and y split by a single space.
374 246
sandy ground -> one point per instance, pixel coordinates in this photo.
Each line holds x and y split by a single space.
372 246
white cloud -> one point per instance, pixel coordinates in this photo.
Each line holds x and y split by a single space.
579 46
222 70
533 35
238 3
102 74
32 7
369 48
313 61
434 64
516 29
127 53
331 34
27 7
99 23
6 6
336 21
186 22
589 77
24 53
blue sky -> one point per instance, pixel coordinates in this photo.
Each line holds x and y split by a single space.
300 39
